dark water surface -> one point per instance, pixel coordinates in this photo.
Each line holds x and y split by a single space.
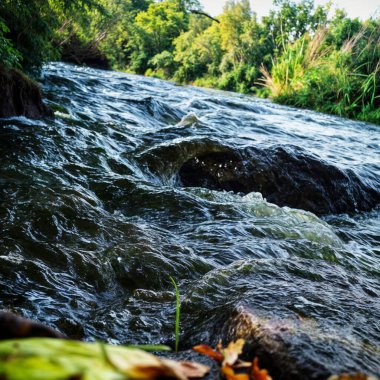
94 221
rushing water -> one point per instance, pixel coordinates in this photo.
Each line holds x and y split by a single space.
94 221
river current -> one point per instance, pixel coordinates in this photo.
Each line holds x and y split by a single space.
94 221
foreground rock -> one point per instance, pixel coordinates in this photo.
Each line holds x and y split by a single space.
20 96
13 326
276 342
286 176
304 319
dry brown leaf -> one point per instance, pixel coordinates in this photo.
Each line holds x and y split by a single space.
229 373
232 351
241 364
257 373
147 366
194 370
210 352
186 369
354 376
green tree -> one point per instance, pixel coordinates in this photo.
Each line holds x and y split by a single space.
112 29
9 56
198 52
155 30
234 20
240 40
291 20
342 28
31 26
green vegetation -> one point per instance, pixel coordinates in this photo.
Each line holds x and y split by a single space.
299 54
28 29
60 359
177 313
9 56
342 81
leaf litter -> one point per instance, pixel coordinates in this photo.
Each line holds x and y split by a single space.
232 367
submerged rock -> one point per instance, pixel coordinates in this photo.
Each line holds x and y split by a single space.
286 176
20 96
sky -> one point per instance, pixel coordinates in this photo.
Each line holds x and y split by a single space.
355 8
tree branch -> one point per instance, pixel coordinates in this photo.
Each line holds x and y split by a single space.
204 14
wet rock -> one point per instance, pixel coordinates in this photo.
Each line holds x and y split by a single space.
278 345
71 328
13 326
20 96
189 120
286 176
270 341
304 319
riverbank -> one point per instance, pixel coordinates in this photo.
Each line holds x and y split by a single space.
301 54
20 96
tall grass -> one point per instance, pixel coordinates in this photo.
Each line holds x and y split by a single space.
346 81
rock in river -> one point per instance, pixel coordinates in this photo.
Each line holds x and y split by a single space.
304 319
286 176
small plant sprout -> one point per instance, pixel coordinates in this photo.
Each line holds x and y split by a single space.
177 313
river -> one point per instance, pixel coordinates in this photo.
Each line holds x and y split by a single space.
95 218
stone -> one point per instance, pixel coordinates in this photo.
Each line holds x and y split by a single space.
13 326
285 176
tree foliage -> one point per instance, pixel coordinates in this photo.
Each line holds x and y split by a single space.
9 56
29 27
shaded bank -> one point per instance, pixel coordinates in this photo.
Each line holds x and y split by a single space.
74 51
20 96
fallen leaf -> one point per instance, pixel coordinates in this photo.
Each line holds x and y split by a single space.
188 369
353 376
241 364
232 352
208 351
56 359
257 373
229 373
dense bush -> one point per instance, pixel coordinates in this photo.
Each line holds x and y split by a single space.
9 56
344 81
28 28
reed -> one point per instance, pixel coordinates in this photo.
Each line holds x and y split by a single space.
346 81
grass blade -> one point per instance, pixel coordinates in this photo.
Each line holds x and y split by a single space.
177 313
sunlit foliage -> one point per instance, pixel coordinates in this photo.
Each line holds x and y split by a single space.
282 55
